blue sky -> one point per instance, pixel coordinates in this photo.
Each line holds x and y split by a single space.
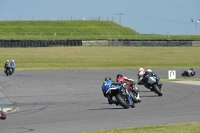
144 16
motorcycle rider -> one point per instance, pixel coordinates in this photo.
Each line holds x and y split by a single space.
142 72
7 64
122 79
108 81
140 75
190 71
12 64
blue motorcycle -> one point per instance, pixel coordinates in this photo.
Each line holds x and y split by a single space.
120 92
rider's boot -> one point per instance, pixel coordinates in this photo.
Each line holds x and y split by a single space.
116 103
138 97
132 105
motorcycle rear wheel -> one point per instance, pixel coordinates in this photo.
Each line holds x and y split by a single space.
133 96
121 101
183 74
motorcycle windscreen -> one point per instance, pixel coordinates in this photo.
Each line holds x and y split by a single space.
151 80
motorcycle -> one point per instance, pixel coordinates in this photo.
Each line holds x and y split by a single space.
152 82
2 115
8 71
134 94
120 91
186 73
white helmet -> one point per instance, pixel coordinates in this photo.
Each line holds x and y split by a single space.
13 61
141 69
7 61
149 70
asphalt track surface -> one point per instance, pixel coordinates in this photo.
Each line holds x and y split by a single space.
72 101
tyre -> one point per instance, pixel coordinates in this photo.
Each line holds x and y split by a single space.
10 72
121 101
192 74
7 72
157 90
133 96
183 74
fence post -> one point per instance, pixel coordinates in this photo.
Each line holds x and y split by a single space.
55 35
167 36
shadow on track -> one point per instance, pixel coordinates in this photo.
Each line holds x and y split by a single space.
150 96
144 91
107 108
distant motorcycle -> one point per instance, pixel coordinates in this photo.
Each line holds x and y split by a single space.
8 70
152 82
2 115
189 74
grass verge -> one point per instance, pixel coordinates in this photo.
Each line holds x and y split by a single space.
190 127
101 57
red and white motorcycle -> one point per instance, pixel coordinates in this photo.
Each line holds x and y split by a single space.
2 114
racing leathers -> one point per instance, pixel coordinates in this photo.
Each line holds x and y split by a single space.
12 64
106 85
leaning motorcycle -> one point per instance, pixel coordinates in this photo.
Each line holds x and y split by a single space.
185 73
152 82
8 71
132 91
120 91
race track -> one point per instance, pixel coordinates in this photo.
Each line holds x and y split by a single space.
72 101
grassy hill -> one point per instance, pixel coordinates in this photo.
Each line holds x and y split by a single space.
76 29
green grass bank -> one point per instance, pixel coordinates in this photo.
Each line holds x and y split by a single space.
101 57
77 29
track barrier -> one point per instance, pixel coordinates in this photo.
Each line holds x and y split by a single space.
39 43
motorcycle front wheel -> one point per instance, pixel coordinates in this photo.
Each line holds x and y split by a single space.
7 72
157 90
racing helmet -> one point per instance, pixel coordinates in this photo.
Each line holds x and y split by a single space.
149 70
141 69
119 76
13 61
7 61
107 78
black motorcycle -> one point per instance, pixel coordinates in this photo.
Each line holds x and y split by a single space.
8 70
186 73
152 82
